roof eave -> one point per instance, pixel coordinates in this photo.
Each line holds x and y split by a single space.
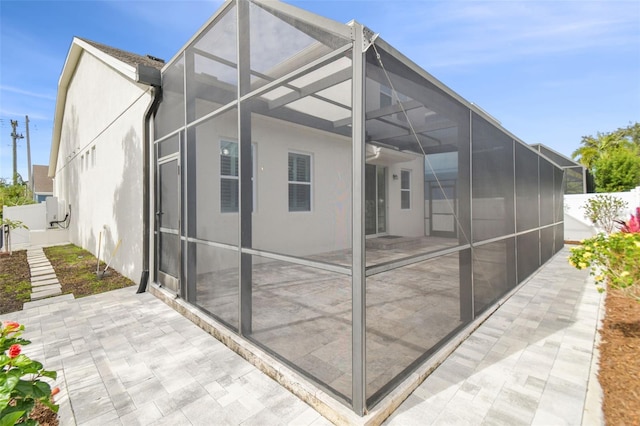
75 51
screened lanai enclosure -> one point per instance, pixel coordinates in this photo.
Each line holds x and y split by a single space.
325 198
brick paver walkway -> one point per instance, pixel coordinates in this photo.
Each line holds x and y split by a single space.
126 358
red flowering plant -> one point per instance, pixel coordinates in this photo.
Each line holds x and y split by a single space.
21 383
631 225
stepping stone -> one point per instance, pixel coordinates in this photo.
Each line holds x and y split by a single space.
41 277
39 265
44 294
45 282
39 268
46 288
49 301
47 271
44 277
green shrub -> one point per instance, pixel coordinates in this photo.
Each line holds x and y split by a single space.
604 210
613 259
20 379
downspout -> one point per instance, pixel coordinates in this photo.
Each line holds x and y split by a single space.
156 93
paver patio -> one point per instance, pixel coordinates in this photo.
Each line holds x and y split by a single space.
126 358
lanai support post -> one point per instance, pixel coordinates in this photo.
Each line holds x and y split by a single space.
245 185
358 293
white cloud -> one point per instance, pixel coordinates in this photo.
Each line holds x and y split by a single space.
28 93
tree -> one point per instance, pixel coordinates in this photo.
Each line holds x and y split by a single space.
617 170
605 150
604 211
14 195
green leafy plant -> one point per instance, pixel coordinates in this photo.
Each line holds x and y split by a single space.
613 259
618 170
21 383
14 194
604 210
612 157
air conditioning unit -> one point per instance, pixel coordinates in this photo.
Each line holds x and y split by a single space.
52 211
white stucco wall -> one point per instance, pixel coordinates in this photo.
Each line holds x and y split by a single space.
327 227
33 216
578 227
99 169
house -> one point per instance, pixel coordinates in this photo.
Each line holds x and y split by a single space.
315 199
96 159
42 184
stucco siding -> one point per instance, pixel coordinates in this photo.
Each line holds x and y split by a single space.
327 226
99 169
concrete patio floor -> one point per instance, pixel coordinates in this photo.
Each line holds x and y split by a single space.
128 359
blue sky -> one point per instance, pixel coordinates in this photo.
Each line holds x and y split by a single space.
549 71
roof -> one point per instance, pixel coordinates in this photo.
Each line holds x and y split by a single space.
561 160
137 68
41 180
130 58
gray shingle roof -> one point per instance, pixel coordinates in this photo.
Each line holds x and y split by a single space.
41 180
127 57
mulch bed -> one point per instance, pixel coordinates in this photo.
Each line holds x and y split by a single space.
44 416
15 281
620 359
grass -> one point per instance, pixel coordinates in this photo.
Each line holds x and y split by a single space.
74 267
76 271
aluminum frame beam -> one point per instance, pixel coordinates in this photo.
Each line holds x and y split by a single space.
358 277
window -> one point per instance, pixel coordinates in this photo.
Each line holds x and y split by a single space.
228 176
93 156
229 183
86 157
299 182
405 189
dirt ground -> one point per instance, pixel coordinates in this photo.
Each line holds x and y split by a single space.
76 271
620 360
15 281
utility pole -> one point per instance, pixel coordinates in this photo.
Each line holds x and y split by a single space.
29 153
15 137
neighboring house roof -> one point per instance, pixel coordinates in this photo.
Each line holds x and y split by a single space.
137 68
42 183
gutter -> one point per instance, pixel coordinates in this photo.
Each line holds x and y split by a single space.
147 76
